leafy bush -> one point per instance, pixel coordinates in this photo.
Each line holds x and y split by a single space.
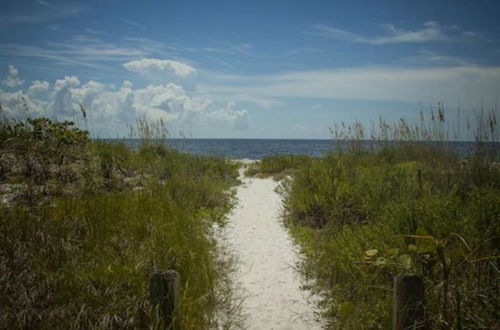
47 159
361 218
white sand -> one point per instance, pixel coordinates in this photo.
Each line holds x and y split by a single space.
273 298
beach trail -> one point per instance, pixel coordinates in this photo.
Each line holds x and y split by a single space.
266 275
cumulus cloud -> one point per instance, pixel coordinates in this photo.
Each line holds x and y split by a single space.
12 79
62 98
149 67
238 119
38 87
17 104
110 108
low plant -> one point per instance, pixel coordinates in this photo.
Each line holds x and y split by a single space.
402 203
81 259
362 219
278 166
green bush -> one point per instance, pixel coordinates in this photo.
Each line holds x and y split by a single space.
278 165
82 260
363 217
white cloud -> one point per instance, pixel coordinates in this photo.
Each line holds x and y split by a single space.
130 22
88 93
68 81
471 34
85 45
12 79
238 119
172 103
110 108
16 104
433 57
62 104
151 67
38 87
59 57
227 49
49 13
46 4
219 61
149 46
472 84
88 50
430 31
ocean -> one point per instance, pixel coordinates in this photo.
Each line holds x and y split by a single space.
258 148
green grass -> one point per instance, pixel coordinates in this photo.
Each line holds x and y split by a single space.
361 217
77 246
90 221
278 166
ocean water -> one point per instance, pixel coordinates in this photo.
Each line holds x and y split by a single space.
258 148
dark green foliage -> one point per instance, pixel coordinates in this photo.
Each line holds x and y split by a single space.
363 217
81 259
47 158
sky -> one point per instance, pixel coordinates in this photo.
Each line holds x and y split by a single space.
247 69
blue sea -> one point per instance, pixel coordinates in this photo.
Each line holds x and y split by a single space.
258 148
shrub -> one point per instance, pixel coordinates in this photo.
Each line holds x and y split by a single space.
81 259
361 218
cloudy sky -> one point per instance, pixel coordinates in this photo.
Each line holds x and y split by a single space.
247 69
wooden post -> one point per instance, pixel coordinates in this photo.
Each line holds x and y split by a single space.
164 291
408 312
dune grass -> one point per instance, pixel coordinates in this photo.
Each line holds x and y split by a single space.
90 221
361 217
278 166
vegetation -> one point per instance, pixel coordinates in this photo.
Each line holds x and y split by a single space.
361 217
85 223
278 166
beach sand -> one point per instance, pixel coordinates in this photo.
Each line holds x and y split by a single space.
265 276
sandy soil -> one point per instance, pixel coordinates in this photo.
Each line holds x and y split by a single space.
266 276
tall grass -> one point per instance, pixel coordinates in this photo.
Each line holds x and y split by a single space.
81 258
431 129
363 216
278 166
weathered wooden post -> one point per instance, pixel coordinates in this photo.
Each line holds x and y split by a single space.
408 312
164 288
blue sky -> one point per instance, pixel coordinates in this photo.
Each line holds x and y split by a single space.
247 69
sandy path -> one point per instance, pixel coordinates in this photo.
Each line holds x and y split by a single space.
265 274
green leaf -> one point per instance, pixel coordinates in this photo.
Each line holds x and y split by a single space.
393 252
346 308
380 261
405 260
427 248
